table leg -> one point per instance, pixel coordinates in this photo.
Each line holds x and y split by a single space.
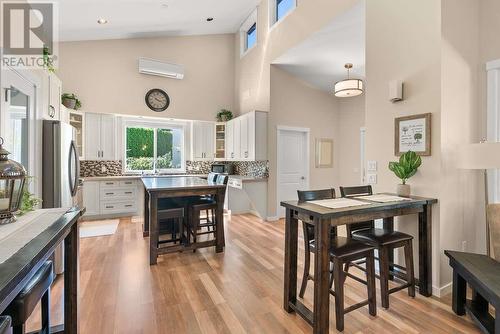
290 272
389 225
497 320
425 250
480 303
321 276
71 269
153 229
459 293
145 225
219 217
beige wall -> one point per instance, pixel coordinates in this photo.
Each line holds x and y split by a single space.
296 104
403 42
351 120
252 71
104 75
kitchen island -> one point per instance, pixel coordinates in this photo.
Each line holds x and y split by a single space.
156 188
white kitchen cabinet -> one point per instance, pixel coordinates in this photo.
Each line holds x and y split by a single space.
100 137
246 137
203 141
64 114
110 198
52 90
91 198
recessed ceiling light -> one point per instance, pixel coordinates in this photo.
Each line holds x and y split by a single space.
210 19
102 21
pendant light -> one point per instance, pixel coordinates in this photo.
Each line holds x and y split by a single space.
348 87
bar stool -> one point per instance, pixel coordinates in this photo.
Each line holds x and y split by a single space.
384 241
171 221
23 305
342 250
5 325
208 204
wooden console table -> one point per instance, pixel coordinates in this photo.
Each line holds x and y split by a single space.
482 273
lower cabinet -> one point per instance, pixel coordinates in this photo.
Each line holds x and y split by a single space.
110 197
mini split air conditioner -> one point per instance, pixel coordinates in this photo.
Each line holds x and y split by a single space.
156 67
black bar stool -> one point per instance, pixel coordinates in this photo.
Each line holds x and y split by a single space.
5 325
209 205
384 241
23 305
171 221
342 251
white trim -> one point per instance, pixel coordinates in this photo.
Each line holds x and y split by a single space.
272 218
493 65
362 148
307 132
442 291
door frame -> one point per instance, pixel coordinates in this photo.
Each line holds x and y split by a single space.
362 148
493 122
307 132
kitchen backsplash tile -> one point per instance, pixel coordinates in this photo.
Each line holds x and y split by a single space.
244 168
90 168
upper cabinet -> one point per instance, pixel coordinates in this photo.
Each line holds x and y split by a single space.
52 95
203 141
100 137
246 137
76 120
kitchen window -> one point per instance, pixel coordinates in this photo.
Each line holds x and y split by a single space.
154 149
248 33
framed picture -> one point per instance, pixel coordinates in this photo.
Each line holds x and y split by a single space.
324 153
413 133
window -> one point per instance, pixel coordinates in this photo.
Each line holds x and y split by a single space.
154 149
248 33
252 36
279 9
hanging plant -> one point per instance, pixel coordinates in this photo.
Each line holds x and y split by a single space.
71 101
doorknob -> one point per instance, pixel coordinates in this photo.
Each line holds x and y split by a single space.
303 178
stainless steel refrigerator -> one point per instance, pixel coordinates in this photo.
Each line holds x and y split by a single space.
60 172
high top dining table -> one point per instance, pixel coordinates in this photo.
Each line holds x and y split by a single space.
324 217
179 186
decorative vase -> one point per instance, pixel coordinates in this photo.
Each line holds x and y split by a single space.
69 103
403 190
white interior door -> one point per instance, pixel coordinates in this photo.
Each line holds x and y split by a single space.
293 164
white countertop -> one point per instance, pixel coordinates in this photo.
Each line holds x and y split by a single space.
138 176
248 178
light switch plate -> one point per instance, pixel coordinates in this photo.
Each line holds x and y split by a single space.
372 166
372 178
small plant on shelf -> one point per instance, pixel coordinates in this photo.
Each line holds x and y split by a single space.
29 201
224 115
405 168
71 101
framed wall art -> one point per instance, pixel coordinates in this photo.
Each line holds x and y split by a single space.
413 133
324 153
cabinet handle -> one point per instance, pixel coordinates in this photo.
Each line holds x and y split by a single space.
128 192
128 182
128 205
109 183
109 207
110 193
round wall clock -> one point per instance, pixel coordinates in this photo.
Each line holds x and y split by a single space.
157 100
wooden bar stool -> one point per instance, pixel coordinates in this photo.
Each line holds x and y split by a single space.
5 325
38 288
342 251
384 241
171 221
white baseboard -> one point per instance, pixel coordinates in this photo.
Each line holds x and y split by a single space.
273 218
442 291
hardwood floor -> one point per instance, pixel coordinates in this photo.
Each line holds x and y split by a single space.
238 291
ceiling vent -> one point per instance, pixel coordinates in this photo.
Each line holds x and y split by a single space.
162 69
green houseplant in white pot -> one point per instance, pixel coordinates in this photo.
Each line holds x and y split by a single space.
405 168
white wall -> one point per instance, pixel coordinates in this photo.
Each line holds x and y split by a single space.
104 75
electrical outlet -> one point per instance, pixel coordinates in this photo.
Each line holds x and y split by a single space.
372 166
372 178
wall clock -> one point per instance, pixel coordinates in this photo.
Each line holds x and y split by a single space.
157 100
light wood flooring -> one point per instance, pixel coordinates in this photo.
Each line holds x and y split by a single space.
238 291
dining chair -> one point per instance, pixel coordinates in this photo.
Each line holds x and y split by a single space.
342 250
385 241
493 214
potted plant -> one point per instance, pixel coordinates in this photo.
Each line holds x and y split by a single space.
405 168
71 101
29 201
224 115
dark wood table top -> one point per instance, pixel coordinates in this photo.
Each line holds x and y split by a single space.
177 183
485 270
328 213
18 267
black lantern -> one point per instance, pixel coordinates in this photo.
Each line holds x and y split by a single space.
12 178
